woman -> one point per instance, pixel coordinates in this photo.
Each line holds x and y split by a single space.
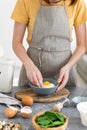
49 24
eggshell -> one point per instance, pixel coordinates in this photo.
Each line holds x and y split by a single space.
10 112
26 112
57 107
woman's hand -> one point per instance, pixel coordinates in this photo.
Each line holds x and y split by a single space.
77 54
34 75
32 71
63 77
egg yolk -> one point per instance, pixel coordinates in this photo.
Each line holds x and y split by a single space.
46 83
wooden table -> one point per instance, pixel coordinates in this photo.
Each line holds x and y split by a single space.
70 111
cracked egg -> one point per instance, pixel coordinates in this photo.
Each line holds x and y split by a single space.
48 84
11 112
26 112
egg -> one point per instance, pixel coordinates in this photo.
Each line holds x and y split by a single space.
2 123
27 100
7 127
18 126
1 127
48 84
11 112
11 124
57 107
26 112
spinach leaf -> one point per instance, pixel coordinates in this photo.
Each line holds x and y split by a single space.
51 115
60 117
41 118
55 124
54 116
44 122
50 119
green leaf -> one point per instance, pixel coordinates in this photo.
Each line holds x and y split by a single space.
44 122
51 115
50 119
57 123
54 124
41 118
60 117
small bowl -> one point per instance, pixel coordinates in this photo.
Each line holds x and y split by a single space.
37 127
45 91
78 99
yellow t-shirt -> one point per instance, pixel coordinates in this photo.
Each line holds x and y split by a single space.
25 11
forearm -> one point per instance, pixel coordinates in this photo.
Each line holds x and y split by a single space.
32 72
19 31
86 38
22 54
81 45
78 53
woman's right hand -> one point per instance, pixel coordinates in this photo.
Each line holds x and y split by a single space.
34 75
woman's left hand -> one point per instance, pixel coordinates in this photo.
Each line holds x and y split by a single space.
63 77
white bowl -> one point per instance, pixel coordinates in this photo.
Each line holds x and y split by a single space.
82 108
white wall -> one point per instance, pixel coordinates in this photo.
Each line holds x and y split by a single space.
6 29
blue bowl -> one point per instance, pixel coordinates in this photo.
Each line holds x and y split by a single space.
45 91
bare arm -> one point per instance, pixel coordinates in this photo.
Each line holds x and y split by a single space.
78 53
32 71
19 30
80 46
86 37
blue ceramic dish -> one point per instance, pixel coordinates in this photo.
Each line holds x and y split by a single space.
45 91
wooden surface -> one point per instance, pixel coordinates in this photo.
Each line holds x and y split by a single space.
38 98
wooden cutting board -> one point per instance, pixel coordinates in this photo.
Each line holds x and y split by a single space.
38 98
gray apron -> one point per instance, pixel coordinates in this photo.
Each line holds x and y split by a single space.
50 47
